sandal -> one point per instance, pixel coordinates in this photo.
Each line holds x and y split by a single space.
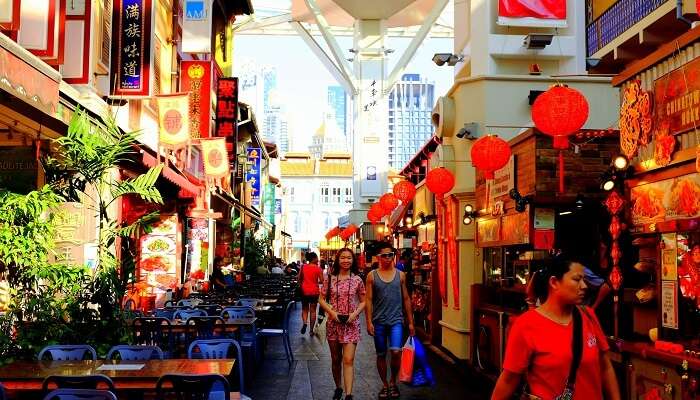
338 394
384 394
394 392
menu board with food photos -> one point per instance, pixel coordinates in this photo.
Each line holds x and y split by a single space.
158 260
666 200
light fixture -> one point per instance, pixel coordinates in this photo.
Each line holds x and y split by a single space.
621 162
467 220
469 214
565 213
579 202
450 59
537 41
608 180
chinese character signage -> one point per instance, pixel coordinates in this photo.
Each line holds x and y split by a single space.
546 13
18 169
269 203
131 48
215 157
196 26
196 80
227 107
173 110
252 175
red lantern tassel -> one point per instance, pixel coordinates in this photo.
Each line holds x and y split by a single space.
561 171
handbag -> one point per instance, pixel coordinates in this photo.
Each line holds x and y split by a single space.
577 349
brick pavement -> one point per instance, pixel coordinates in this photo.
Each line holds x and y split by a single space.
310 377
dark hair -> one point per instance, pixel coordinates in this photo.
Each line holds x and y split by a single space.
557 268
335 269
384 245
217 261
311 256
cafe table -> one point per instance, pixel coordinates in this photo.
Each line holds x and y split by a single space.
27 376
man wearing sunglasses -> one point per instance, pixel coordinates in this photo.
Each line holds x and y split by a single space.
388 303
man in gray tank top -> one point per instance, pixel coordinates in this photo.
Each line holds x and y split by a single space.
388 303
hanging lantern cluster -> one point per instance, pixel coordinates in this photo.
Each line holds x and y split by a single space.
560 112
404 191
489 154
388 202
615 203
440 181
349 231
333 232
375 213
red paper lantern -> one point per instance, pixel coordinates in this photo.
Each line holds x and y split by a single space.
333 232
405 191
616 278
377 210
388 202
349 231
559 112
489 154
615 227
440 181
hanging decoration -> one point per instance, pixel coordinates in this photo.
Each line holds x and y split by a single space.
635 119
348 231
665 144
451 238
489 154
388 202
375 213
442 270
560 112
215 159
440 181
697 158
173 123
615 203
333 232
405 191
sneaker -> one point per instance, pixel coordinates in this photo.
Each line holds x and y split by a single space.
338 394
303 329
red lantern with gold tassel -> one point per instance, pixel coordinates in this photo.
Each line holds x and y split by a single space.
489 154
560 112
388 202
440 181
405 191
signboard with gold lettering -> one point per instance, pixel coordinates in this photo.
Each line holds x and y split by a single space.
677 98
131 48
196 80
18 169
75 232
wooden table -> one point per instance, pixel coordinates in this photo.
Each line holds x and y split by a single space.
29 375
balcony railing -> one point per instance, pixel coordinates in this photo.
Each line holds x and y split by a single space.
616 20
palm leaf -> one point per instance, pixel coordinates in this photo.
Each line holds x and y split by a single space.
142 186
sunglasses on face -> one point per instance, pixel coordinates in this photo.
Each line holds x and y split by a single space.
386 255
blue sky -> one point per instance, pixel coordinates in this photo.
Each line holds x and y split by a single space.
302 79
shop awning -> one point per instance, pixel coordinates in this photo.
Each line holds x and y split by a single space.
251 212
172 174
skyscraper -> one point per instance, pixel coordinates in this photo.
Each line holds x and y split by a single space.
410 107
338 106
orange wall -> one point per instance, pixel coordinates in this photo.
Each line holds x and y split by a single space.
599 6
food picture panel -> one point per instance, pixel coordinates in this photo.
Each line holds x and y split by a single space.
667 200
688 248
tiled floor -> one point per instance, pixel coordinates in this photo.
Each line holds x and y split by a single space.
310 377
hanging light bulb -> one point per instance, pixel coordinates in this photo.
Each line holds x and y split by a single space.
620 162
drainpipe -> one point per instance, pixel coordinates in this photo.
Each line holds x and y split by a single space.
679 13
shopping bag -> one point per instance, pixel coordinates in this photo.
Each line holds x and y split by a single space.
422 373
407 357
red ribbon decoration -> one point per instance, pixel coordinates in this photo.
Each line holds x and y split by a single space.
442 273
452 250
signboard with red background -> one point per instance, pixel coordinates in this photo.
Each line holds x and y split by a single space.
677 99
541 9
197 80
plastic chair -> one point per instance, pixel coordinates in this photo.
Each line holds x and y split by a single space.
250 303
247 334
189 302
154 331
80 394
68 352
164 312
135 353
283 333
219 349
212 310
3 396
238 312
204 328
187 314
204 386
77 382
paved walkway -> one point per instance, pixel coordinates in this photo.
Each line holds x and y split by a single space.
310 375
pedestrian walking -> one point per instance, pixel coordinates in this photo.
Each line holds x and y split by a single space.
559 347
343 300
388 305
310 277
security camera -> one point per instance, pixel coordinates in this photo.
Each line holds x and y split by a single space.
592 62
441 58
537 41
469 131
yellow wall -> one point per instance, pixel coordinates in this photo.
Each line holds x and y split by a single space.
599 6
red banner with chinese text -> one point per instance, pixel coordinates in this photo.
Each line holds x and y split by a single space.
227 107
452 260
196 80
541 9
440 228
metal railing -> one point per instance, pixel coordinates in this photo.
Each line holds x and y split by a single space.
616 20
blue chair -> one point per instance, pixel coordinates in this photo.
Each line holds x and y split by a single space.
247 334
154 331
68 352
80 394
250 303
94 382
212 310
282 332
187 314
135 353
219 349
3 396
189 302
164 312
238 312
204 328
204 386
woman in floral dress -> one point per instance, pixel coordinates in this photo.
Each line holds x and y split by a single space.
343 300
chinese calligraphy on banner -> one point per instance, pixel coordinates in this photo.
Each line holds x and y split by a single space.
227 107
215 157
173 110
196 80
131 48
252 175
532 13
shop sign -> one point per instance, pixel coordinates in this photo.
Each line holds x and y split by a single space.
24 81
503 181
488 231
252 174
197 243
669 304
131 48
158 259
669 257
534 13
75 227
227 108
173 123
666 200
269 203
515 228
677 98
196 26
18 169
278 206
196 80
215 157
544 218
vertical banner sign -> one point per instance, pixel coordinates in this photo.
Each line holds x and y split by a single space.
196 26
269 203
173 122
131 48
196 80
215 157
452 249
442 273
227 107
252 175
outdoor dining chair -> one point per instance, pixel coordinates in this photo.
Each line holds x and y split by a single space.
248 334
154 331
204 328
80 394
238 312
134 353
220 349
249 302
189 302
198 386
187 314
3 396
68 352
282 332
212 310
97 381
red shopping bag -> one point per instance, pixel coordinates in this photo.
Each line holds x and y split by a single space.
407 357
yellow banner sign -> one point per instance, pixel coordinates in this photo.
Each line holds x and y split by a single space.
215 157
173 121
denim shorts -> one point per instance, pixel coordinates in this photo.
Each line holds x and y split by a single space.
392 333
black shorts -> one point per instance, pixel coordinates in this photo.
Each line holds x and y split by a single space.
309 299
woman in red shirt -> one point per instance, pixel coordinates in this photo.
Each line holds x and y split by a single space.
310 277
539 345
